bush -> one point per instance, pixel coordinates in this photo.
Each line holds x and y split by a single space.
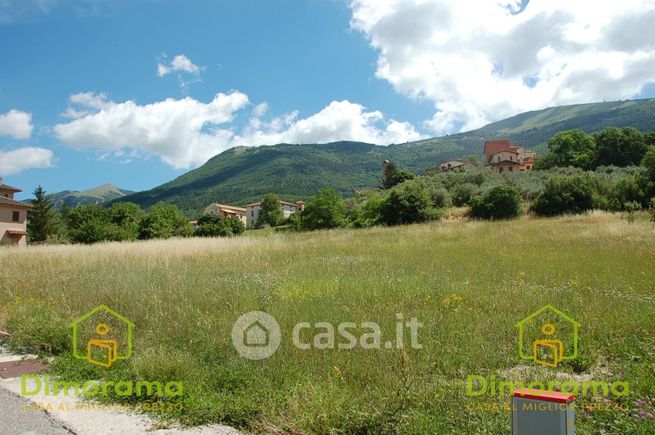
463 193
631 207
500 202
325 210
564 194
365 209
406 204
213 226
440 198
164 221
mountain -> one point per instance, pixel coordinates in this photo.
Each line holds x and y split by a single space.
97 195
243 174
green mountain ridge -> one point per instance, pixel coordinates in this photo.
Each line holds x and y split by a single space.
97 195
244 174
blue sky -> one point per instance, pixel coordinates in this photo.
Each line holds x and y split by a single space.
293 71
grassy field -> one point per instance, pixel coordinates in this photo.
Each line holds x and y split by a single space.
467 282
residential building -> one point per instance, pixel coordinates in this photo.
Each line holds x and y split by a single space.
501 156
13 217
224 211
288 208
452 165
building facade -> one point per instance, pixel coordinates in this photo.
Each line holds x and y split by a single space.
288 208
224 211
452 165
501 156
13 217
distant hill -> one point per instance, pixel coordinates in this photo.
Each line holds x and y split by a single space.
97 195
243 174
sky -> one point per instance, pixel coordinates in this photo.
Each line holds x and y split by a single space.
138 92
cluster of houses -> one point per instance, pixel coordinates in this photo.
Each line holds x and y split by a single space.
249 214
500 156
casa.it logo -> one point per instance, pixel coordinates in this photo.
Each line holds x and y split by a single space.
548 337
102 337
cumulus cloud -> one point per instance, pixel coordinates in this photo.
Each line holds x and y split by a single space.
482 60
340 120
180 63
16 124
20 159
186 132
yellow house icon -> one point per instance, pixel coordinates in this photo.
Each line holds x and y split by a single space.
546 346
102 336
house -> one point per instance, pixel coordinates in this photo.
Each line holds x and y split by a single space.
501 156
13 217
288 208
452 165
224 211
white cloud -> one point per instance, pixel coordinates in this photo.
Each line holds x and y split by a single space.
182 132
13 9
16 124
340 120
186 132
180 63
20 159
482 60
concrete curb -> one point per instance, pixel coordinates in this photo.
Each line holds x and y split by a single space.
82 418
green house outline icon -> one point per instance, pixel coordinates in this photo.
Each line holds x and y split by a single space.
569 319
105 308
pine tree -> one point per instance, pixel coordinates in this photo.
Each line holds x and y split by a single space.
41 218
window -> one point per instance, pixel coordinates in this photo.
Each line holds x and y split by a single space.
510 169
15 216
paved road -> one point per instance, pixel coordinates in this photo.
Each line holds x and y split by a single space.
17 420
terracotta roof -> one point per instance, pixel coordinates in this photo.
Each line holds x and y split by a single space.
225 206
495 146
255 204
10 188
17 232
13 203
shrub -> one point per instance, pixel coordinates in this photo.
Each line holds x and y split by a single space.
631 207
440 197
164 221
213 226
564 194
326 209
365 210
406 204
500 202
463 193
651 209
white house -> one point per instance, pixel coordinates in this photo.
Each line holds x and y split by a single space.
288 208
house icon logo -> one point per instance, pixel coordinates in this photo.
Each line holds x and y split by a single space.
102 337
548 337
256 335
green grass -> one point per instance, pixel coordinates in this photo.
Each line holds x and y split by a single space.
467 282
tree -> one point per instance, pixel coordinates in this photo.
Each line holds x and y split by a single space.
406 204
570 148
326 209
564 194
619 147
500 202
124 218
271 212
648 162
41 222
391 176
88 224
164 221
